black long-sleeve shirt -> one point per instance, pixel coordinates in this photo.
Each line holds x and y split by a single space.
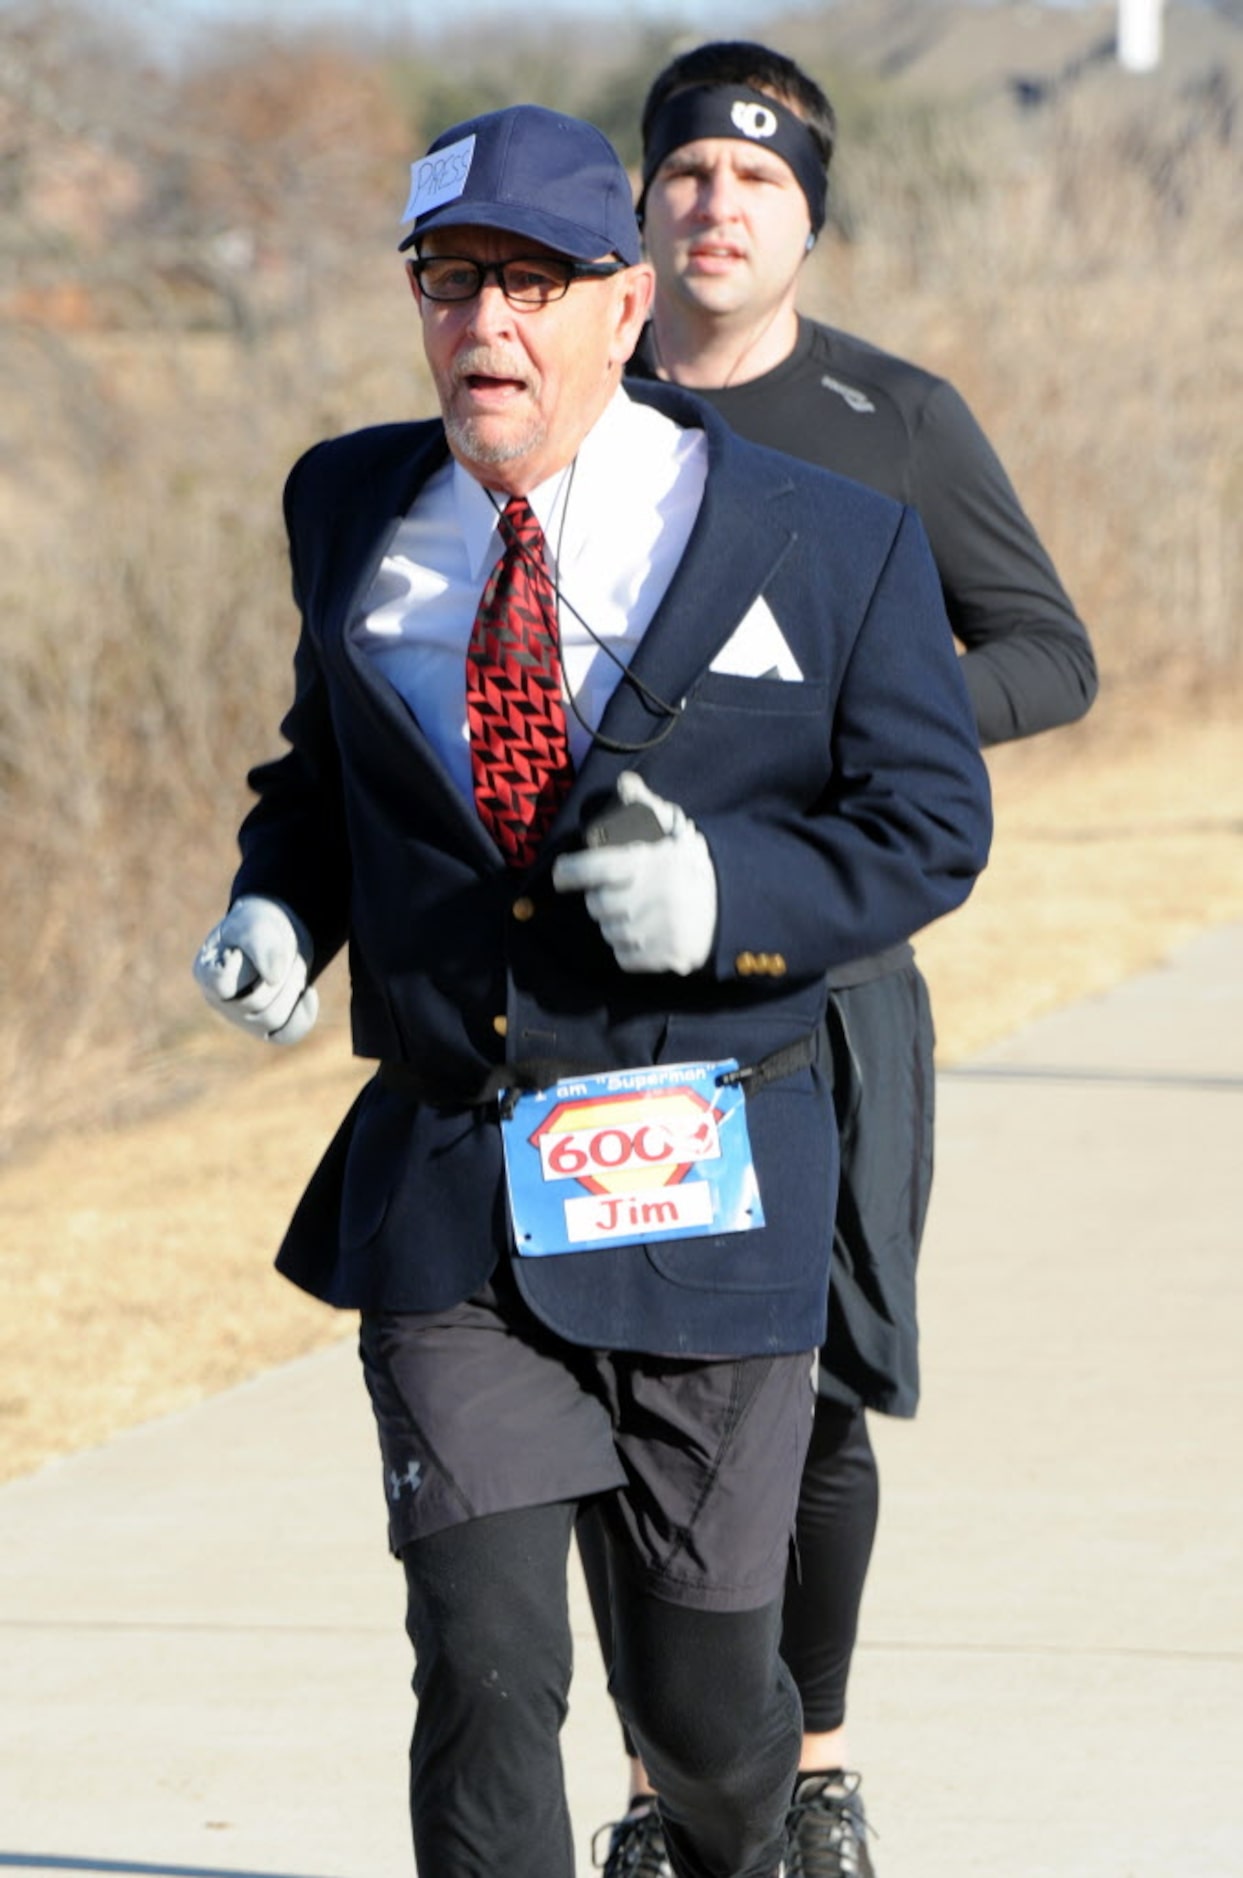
850 407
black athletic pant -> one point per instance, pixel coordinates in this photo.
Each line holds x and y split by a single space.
704 1695
838 1508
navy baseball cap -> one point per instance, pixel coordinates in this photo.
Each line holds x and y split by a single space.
530 171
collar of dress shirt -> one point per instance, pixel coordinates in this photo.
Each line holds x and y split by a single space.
629 446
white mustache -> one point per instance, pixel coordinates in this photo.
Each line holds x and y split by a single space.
483 364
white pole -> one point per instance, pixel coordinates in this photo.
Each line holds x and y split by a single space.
1139 35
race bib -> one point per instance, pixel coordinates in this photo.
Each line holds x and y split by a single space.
629 1156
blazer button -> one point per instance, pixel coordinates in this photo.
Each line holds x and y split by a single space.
501 1026
745 964
523 907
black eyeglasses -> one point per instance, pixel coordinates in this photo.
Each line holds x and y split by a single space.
526 280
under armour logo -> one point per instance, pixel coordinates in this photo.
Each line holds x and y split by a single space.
753 120
412 1478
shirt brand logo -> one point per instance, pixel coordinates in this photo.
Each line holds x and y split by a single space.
857 400
753 120
410 1481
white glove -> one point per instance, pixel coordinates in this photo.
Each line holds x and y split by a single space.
253 966
654 901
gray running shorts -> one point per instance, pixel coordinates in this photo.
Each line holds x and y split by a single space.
482 1409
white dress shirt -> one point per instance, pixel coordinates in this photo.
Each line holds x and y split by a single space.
616 523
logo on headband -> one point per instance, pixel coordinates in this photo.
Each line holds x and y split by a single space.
753 120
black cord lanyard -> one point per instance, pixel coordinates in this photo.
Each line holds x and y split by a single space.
649 697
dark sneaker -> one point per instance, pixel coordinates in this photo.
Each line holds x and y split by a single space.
828 1828
636 1847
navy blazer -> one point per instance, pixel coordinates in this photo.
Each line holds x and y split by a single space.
844 811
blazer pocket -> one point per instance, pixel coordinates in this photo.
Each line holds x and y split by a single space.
378 1151
423 1196
791 1250
794 1149
724 691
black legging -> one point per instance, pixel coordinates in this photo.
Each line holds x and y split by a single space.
705 1694
838 1507
839 1502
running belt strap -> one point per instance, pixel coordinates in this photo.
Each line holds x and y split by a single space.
542 1072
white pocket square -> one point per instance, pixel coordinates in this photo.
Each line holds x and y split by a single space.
757 648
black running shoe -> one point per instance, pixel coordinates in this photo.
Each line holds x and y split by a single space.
636 1846
828 1828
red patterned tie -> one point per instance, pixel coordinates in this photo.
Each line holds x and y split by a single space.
519 754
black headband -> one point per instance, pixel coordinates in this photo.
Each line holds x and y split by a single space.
738 111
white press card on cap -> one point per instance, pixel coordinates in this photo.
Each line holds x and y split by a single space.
438 178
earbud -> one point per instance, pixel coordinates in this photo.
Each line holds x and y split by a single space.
811 241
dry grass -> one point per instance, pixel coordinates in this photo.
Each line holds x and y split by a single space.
1073 277
1116 841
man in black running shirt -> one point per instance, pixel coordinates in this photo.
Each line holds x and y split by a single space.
737 142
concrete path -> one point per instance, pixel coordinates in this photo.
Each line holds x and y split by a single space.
202 1667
